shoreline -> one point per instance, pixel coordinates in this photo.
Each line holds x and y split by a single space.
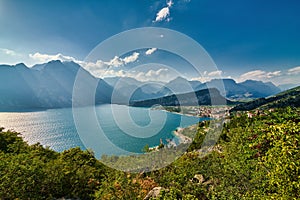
177 133
182 138
177 113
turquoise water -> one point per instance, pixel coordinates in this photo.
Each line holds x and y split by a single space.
115 129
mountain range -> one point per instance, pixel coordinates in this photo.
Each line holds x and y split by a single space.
289 97
210 96
229 88
50 85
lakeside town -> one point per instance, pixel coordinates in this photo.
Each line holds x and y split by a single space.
214 112
186 135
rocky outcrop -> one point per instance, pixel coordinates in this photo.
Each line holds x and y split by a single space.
198 178
153 193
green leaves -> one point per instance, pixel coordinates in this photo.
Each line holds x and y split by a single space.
34 172
259 159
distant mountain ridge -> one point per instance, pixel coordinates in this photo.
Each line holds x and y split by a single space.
201 97
132 89
229 88
284 87
50 85
246 89
290 97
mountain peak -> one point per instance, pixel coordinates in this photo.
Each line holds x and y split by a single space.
50 64
54 62
252 81
21 66
178 78
224 80
261 89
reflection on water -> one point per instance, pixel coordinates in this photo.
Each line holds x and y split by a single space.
128 128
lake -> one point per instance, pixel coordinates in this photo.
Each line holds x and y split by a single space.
106 129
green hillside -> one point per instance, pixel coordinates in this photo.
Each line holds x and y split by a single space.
255 158
210 96
287 98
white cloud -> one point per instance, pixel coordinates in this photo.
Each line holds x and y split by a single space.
207 76
93 66
273 74
46 57
170 3
109 68
102 69
162 74
8 52
215 73
295 70
110 73
164 13
258 75
131 58
11 57
253 74
118 62
150 51
202 79
152 73
290 76
115 62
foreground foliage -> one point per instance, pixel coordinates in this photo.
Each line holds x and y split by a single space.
258 158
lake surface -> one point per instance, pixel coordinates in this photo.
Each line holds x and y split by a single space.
106 129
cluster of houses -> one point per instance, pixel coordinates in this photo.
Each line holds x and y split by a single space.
223 112
254 113
215 112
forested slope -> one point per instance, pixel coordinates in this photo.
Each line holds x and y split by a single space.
257 158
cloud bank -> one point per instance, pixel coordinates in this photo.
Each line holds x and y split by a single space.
294 71
39 57
259 75
114 66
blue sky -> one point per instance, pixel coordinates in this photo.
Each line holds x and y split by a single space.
246 39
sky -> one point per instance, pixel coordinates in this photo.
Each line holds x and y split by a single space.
249 39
